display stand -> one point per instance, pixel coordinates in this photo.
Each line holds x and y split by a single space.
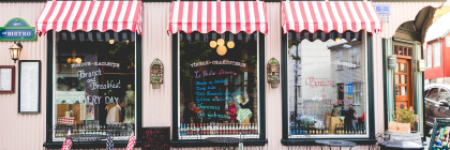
442 143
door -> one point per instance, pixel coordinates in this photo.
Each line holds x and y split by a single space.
403 95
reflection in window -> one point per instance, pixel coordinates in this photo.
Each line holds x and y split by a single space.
218 84
328 95
95 83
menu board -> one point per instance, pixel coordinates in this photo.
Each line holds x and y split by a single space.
29 86
6 79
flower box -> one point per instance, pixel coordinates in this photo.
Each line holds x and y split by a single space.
399 127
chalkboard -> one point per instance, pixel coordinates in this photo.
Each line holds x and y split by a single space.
155 138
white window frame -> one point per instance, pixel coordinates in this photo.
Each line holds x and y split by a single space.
54 102
202 137
437 54
367 121
429 58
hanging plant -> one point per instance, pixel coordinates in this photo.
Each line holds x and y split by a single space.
156 66
273 65
156 82
274 81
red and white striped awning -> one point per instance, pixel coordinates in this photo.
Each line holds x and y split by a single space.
327 16
206 16
90 15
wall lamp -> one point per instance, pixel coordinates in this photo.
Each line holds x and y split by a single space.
15 51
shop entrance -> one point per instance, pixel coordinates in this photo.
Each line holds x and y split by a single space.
403 74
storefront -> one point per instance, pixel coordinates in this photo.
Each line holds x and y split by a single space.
280 72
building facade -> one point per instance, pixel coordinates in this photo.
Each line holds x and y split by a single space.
336 69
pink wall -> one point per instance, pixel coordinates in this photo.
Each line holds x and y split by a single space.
22 131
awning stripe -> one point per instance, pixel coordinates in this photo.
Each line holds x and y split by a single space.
90 15
222 16
327 16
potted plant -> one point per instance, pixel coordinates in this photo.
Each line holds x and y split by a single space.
274 80
156 82
273 65
156 66
403 120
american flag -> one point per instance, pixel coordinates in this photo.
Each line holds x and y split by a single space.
67 142
131 142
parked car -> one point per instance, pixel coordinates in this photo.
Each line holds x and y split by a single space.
437 99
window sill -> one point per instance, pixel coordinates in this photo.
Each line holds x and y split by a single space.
298 141
101 144
204 143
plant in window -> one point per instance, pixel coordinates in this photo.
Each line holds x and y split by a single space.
404 120
274 80
156 82
273 65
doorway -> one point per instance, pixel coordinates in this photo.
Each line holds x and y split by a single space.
403 76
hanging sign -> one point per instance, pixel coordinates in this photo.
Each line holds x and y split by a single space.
17 29
383 9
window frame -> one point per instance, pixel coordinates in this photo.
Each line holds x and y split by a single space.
435 45
429 58
369 137
51 141
261 140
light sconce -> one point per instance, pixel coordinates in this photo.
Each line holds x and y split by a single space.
157 73
111 41
421 64
15 50
392 62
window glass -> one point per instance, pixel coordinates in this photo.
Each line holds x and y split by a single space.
326 87
94 86
444 95
429 58
218 84
437 54
432 94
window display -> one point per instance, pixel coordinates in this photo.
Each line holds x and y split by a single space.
218 84
94 86
326 87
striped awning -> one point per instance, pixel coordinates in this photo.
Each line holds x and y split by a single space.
327 16
90 15
223 16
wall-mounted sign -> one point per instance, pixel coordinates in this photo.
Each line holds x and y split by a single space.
17 29
29 86
383 9
7 79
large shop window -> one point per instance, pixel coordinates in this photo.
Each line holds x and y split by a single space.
218 84
327 86
94 90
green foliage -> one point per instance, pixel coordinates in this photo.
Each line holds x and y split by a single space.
292 42
273 62
156 63
274 79
405 115
191 52
155 79
124 48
